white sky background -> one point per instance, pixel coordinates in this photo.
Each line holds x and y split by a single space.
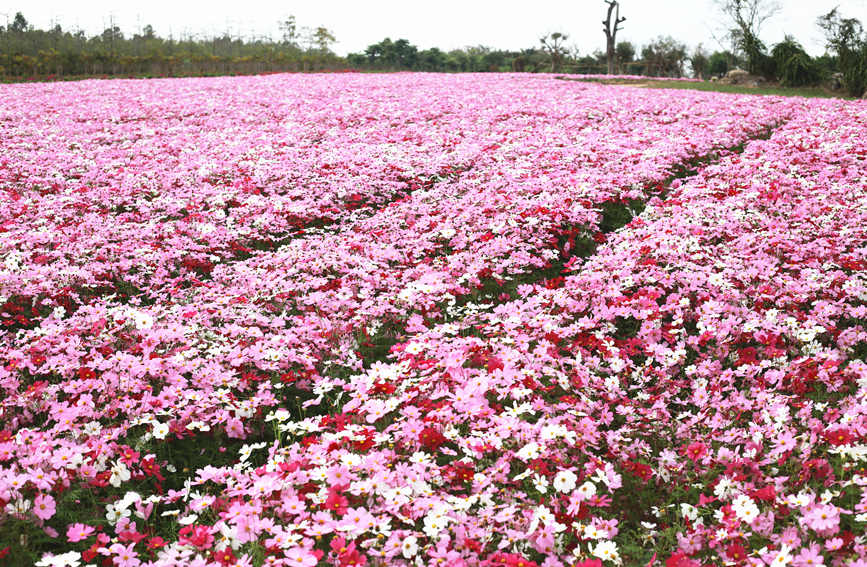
447 24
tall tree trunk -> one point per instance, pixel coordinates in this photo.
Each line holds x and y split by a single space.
611 28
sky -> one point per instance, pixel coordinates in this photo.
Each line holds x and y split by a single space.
447 24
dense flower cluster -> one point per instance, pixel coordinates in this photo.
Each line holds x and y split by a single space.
398 320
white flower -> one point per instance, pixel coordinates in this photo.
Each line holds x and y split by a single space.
606 551
19 506
723 487
160 430
113 514
592 532
528 451
433 524
140 319
119 474
689 511
745 508
447 232
565 481
587 490
68 559
409 547
540 483
783 558
352 460
128 500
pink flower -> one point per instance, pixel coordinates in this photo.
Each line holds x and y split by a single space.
823 518
809 557
235 429
300 557
78 532
124 555
44 507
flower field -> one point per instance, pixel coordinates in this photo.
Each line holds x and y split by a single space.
408 319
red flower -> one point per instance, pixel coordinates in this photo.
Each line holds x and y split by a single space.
156 542
681 559
736 552
197 536
130 535
225 557
431 439
336 501
839 436
695 451
86 373
766 494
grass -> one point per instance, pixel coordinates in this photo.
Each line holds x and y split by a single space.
775 90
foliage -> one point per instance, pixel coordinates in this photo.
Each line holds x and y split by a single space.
847 38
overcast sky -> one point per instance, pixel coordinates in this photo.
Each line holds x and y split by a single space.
447 24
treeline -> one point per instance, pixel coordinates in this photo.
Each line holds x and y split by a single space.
662 57
28 52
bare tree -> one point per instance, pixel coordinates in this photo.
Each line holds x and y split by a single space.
611 28
748 16
289 30
555 45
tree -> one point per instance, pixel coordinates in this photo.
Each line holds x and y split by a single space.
111 34
795 68
400 54
748 16
625 53
555 45
846 37
323 38
19 24
611 28
699 62
432 59
664 57
289 31
718 63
